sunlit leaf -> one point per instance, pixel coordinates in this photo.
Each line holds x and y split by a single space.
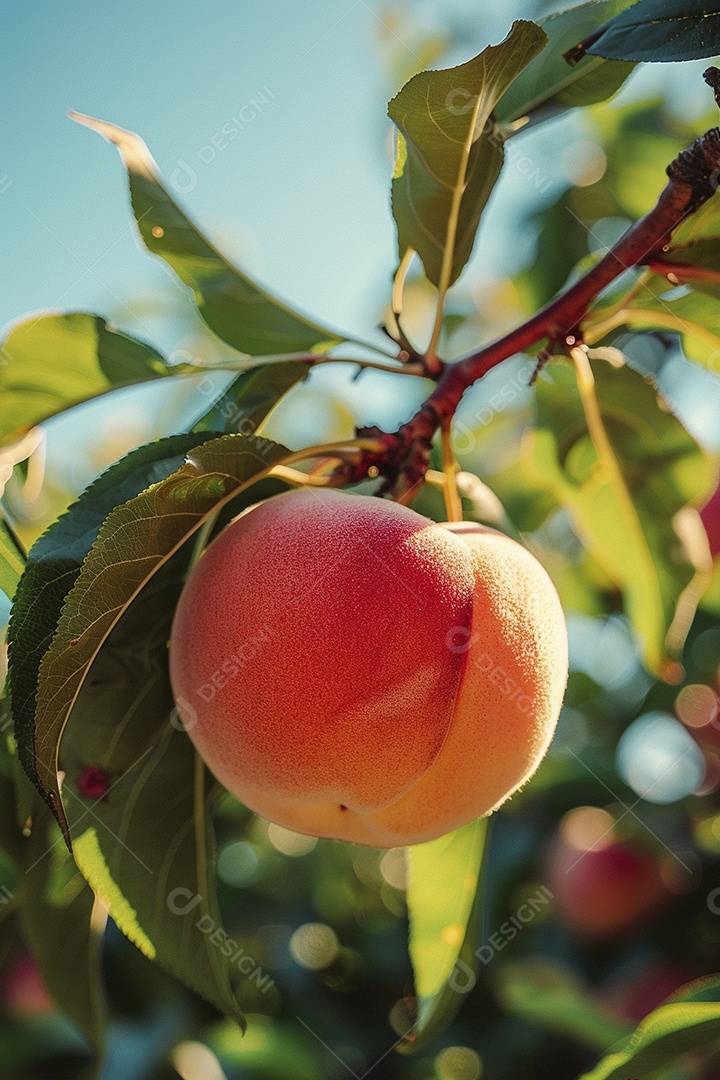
235 308
688 1023
548 84
146 847
51 362
135 541
249 399
12 560
54 564
449 152
692 255
270 1049
692 314
63 927
444 924
658 30
663 469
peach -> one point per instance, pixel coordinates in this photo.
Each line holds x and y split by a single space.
350 669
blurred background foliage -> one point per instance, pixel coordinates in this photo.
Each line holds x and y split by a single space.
622 823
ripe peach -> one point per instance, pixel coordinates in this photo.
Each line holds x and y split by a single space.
348 668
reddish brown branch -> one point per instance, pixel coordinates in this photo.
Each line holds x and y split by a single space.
693 178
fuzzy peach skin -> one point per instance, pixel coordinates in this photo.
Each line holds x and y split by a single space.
350 669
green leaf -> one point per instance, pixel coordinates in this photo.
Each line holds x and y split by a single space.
444 924
554 999
658 31
688 1023
52 362
269 1050
693 314
236 309
251 396
548 84
53 566
12 560
450 153
63 928
147 849
135 542
692 256
10 835
664 470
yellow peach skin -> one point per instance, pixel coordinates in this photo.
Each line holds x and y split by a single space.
348 668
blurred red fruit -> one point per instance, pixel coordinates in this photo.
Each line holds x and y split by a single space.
602 886
22 991
710 515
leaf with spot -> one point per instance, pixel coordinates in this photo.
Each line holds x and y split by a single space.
657 31
235 308
53 567
49 363
147 848
449 152
136 541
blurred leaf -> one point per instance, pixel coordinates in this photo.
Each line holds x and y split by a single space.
53 566
147 849
639 139
236 309
12 560
43 1042
62 929
687 1024
51 362
135 541
269 1050
10 836
548 84
249 399
692 254
449 155
659 305
444 924
548 996
664 470
657 30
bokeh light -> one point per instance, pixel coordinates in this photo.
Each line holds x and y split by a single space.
195 1061
588 828
290 843
238 863
458 1063
697 706
314 946
659 759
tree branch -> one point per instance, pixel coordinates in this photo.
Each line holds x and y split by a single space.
693 179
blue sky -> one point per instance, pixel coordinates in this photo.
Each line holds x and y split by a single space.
299 196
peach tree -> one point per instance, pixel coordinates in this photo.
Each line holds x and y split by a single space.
108 811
